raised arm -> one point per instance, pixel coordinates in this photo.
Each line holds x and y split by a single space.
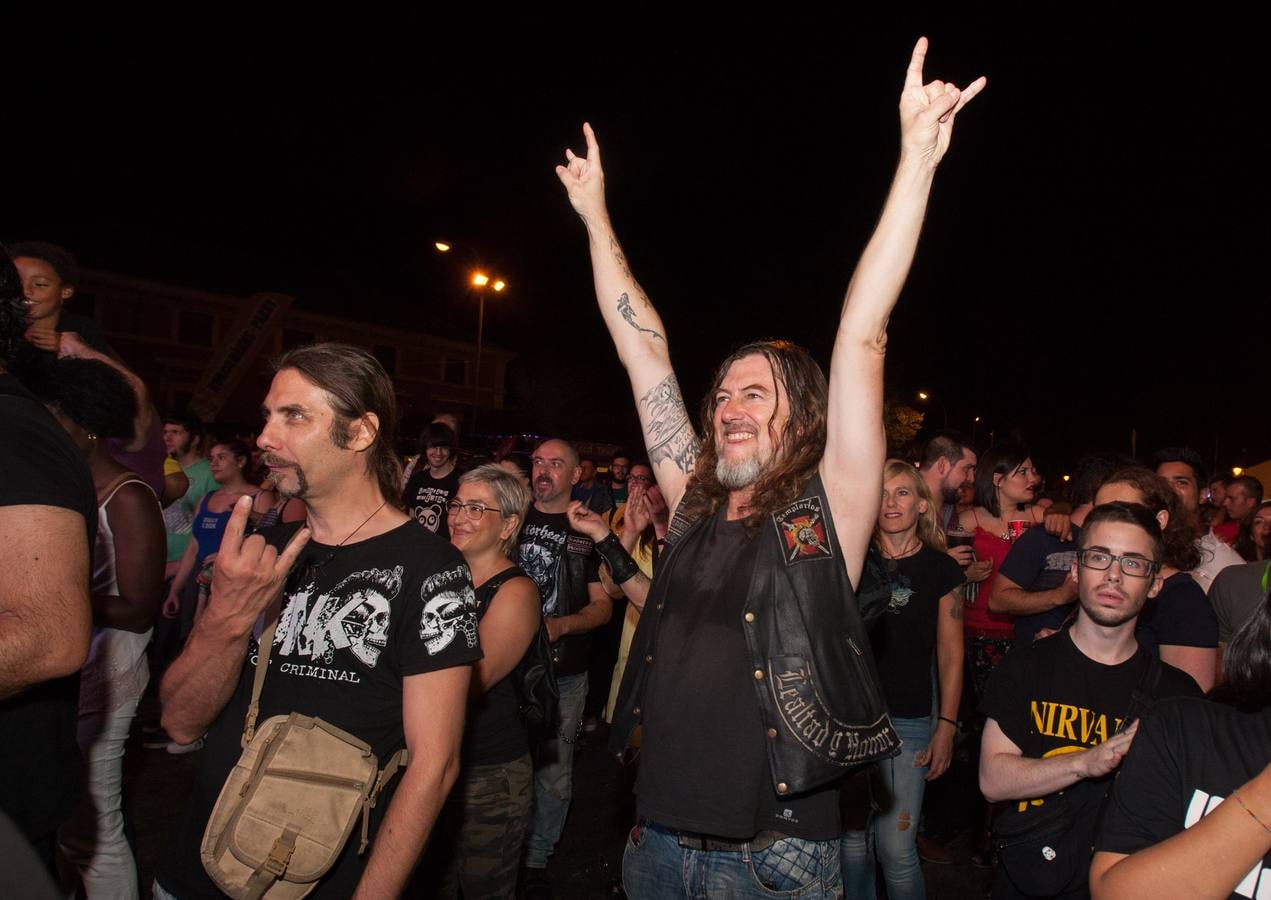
637 331
855 444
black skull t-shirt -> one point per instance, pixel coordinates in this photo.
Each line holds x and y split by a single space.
355 621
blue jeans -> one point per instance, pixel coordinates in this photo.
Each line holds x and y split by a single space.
554 774
655 866
892 832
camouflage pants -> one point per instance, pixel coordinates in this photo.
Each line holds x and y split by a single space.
479 834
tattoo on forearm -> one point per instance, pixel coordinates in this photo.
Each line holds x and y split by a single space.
667 430
624 307
616 249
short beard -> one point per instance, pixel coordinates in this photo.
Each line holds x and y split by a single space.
301 489
949 495
736 476
1110 618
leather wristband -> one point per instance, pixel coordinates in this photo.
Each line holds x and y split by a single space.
622 567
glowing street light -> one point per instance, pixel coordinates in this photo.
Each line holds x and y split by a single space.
1237 471
922 395
480 279
442 246
499 285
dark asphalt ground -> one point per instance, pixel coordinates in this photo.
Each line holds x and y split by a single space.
589 857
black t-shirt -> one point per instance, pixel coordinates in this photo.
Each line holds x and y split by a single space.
1179 615
495 732
39 757
1051 698
351 629
543 537
904 636
705 761
426 497
1186 759
1039 561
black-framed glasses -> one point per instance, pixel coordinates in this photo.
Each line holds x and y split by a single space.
1133 566
640 479
473 511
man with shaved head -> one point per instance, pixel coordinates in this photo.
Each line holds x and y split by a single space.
565 566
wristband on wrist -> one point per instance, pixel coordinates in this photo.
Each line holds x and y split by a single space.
622 567
956 724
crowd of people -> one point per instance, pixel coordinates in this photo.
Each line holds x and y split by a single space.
386 665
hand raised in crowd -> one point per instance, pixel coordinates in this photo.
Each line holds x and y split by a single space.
584 521
249 574
638 516
927 110
584 179
1099 761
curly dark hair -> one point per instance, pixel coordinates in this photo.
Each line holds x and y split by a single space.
88 392
13 311
798 450
1179 535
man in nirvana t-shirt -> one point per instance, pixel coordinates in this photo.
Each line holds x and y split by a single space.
1060 712
375 627
435 479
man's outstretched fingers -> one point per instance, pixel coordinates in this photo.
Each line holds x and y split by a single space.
593 148
969 92
232 541
913 75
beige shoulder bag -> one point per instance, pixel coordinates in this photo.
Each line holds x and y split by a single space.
290 802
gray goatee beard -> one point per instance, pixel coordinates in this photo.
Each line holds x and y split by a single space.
735 476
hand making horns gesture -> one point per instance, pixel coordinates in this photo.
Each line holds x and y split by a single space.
248 573
927 110
584 179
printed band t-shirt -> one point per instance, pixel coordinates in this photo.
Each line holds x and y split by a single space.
1050 698
426 497
1186 759
543 537
355 621
904 636
1039 561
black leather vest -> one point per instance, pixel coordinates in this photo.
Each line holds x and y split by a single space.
571 655
811 665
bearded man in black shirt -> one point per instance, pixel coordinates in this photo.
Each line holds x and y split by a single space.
750 672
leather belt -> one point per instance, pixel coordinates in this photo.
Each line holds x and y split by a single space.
690 840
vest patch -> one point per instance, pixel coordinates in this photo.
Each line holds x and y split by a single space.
579 545
802 527
808 721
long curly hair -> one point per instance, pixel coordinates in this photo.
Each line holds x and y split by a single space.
928 531
1179 535
797 451
13 311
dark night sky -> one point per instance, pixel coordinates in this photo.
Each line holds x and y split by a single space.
1088 263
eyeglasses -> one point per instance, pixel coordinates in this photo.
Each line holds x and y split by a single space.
473 511
640 479
1133 566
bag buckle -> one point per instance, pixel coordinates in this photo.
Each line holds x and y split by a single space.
279 856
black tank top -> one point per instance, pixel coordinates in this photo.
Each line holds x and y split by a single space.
495 732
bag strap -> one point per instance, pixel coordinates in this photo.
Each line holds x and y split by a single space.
1141 700
274 866
264 646
397 761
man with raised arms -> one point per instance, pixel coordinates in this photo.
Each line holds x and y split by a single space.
750 674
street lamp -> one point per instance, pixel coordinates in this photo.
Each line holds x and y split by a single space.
480 281
924 397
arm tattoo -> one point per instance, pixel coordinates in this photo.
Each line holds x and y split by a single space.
667 430
616 249
624 307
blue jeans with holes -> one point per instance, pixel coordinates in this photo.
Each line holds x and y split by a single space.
655 866
554 774
892 832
